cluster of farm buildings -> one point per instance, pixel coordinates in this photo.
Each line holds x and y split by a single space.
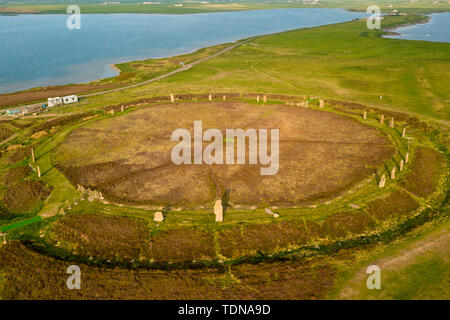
51 102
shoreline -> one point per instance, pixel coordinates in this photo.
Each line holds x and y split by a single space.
114 65
390 31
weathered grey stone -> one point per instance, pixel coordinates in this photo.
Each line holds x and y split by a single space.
268 211
321 104
224 98
210 97
172 98
218 211
122 108
276 215
158 217
264 98
257 98
365 115
382 182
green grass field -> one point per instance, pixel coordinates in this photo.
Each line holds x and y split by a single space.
345 61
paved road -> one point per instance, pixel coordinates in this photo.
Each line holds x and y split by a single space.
183 68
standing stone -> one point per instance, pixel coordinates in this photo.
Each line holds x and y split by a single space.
407 157
38 171
391 123
210 97
218 211
158 217
402 163
264 98
172 98
382 181
321 104
224 98
122 108
393 173
32 155
111 111
257 98
365 115
382 119
404 132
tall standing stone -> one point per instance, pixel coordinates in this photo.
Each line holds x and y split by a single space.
38 171
158 217
172 98
122 108
210 97
404 132
407 157
365 115
32 155
391 123
218 211
382 119
257 98
264 98
321 104
382 182
224 98
393 173
402 163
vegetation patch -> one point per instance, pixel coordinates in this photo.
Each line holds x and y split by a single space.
25 197
16 174
181 245
265 238
394 205
20 155
31 275
106 237
424 172
344 224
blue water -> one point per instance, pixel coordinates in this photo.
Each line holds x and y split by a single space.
39 50
437 29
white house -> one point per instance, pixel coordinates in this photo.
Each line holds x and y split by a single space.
56 101
70 99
